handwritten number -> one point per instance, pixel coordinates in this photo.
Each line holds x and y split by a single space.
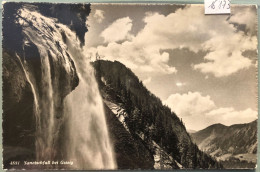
220 5
224 3
213 4
228 4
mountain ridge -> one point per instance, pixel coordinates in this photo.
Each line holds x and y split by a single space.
232 125
147 118
231 144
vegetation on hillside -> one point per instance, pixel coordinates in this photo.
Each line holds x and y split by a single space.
148 117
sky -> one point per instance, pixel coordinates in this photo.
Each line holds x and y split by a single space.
202 66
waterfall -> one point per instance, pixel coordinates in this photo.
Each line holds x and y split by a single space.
86 116
82 126
28 78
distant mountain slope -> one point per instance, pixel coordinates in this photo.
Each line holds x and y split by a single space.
146 119
191 131
237 141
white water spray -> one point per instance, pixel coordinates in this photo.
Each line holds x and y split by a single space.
86 116
86 140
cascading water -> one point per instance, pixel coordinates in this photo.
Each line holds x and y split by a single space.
85 102
82 123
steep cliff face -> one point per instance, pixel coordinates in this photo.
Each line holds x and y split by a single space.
24 73
130 152
17 111
145 118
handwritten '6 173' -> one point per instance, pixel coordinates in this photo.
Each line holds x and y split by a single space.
220 4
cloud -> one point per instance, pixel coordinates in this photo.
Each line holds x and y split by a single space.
99 16
190 104
185 28
227 46
226 54
198 111
229 116
180 84
147 81
245 16
118 30
135 57
220 63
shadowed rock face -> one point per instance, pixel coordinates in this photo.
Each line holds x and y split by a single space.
18 100
130 152
18 128
72 15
